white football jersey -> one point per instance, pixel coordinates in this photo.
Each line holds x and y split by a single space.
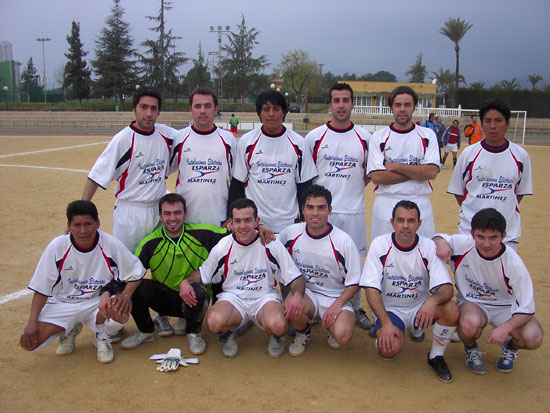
71 275
340 156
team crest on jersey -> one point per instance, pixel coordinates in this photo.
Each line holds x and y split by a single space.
491 187
187 150
85 288
260 152
325 146
272 171
481 291
406 286
234 262
153 172
250 277
203 169
139 155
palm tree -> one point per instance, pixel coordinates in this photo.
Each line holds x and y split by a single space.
418 71
477 85
534 79
508 84
455 29
445 80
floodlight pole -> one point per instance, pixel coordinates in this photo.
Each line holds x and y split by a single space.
220 30
44 40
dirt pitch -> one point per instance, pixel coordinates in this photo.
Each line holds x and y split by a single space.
37 184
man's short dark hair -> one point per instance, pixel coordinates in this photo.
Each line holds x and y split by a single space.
146 92
430 115
243 203
273 97
473 116
81 207
340 86
172 198
489 218
203 91
317 191
497 105
407 205
402 90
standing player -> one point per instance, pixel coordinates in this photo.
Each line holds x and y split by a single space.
439 131
473 131
72 272
407 285
234 122
330 263
203 155
340 151
493 287
172 252
492 173
452 142
137 157
403 158
430 122
273 165
249 271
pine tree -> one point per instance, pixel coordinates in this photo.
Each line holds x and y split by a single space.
160 67
76 74
30 81
239 66
113 65
198 75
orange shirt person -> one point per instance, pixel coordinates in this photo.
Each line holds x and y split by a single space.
473 131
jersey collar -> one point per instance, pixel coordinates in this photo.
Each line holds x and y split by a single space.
404 249
332 128
283 130
495 149
134 127
201 132
324 234
498 254
250 243
402 131
96 240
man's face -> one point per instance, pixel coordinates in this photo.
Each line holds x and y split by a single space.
83 228
244 224
432 118
316 212
438 119
147 112
405 224
172 217
474 119
488 242
455 124
494 127
272 118
403 108
203 112
341 106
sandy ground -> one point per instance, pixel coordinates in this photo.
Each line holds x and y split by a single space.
354 378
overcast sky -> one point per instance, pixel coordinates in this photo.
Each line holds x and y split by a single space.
509 38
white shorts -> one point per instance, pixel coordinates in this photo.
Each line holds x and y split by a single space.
249 308
321 303
67 315
133 221
451 147
355 226
382 209
406 314
496 314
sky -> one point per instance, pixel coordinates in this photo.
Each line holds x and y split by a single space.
509 38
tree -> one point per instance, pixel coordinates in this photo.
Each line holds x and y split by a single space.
418 71
477 85
239 65
508 84
198 75
455 30
380 76
30 81
299 72
445 81
534 79
76 74
113 65
160 67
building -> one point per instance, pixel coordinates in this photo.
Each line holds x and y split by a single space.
376 93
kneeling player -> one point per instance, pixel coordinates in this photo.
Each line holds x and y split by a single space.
72 270
248 270
330 263
400 273
494 287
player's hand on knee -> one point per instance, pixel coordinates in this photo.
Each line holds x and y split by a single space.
122 304
29 338
105 305
331 315
187 294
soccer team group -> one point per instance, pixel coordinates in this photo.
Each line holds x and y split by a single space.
270 231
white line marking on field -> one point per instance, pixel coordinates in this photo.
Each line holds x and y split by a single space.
44 167
53 149
14 296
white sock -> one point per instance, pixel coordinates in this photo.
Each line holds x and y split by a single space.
110 326
441 338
